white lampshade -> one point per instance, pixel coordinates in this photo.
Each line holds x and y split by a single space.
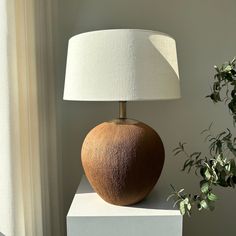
122 65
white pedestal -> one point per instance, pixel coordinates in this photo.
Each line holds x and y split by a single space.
89 215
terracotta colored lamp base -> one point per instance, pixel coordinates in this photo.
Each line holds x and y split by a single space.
122 160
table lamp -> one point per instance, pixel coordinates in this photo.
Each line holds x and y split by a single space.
122 158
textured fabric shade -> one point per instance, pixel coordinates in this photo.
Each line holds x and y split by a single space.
121 65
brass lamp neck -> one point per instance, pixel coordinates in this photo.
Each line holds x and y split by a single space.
122 110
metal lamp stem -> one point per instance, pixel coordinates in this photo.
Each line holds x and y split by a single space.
122 110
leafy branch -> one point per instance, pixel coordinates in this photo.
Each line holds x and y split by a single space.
225 81
214 171
219 168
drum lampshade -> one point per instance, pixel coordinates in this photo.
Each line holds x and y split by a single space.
121 65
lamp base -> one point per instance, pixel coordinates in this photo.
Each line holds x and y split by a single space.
122 160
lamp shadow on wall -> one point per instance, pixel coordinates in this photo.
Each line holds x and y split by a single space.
1 234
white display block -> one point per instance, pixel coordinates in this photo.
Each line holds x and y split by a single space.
90 215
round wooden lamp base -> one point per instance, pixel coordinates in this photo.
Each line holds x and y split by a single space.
122 160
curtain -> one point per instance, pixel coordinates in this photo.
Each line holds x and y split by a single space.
30 194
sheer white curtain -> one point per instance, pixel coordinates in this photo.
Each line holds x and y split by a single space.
30 193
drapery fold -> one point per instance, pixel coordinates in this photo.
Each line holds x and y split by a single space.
30 196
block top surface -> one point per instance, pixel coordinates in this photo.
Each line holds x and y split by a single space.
87 203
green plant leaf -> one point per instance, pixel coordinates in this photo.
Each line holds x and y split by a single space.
182 207
228 68
207 174
189 206
181 190
204 186
204 204
212 197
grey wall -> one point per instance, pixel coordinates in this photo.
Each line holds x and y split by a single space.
205 34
